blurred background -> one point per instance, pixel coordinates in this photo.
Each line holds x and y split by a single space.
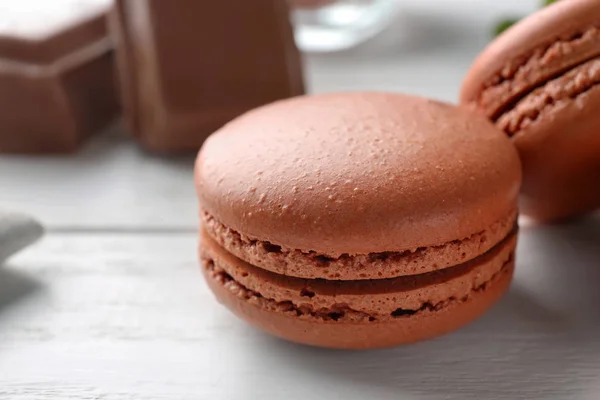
416 46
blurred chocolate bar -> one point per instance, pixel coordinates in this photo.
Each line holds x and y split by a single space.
189 66
57 81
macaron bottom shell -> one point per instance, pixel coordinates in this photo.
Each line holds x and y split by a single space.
359 314
361 336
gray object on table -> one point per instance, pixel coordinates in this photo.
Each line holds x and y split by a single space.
17 231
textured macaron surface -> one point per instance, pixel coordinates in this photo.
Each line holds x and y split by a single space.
358 173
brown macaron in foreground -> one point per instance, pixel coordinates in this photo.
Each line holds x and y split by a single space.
358 220
540 83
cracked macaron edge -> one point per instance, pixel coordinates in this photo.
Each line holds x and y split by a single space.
382 265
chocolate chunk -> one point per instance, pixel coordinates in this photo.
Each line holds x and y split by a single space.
187 67
57 84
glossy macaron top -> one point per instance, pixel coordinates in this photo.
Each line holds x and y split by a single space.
358 173
533 51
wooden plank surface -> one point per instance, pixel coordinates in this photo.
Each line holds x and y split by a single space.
122 316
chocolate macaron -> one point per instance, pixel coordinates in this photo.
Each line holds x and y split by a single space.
358 220
540 83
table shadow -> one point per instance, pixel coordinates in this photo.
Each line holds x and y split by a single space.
14 287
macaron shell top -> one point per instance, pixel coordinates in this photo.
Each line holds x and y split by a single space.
538 48
354 173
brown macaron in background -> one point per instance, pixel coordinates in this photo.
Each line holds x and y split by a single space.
540 83
358 220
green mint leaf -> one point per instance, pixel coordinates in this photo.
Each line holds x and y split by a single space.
504 25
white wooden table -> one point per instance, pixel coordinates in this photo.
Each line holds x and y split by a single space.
111 304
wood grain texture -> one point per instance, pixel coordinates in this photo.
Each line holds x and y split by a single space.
121 316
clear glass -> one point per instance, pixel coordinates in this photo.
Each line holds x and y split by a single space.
332 25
